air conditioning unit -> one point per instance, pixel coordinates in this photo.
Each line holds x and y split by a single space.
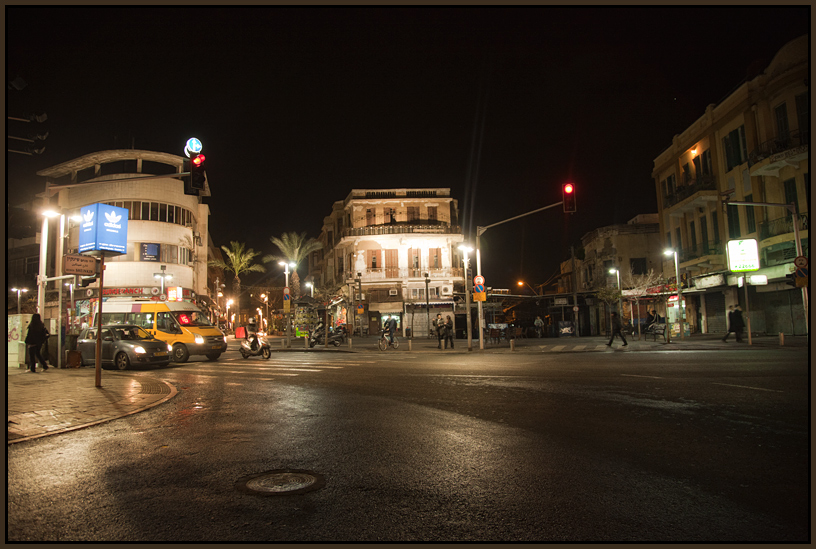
392 292
445 290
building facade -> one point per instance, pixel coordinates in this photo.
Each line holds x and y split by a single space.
751 147
395 253
167 229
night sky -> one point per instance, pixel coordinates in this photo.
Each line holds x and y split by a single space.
297 106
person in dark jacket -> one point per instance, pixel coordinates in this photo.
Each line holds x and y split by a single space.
35 338
438 325
735 323
448 327
616 330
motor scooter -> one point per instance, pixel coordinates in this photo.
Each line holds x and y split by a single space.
318 337
263 349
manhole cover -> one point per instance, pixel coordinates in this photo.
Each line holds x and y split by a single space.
280 482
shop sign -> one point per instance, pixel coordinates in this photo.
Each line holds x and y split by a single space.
561 301
103 228
710 281
743 255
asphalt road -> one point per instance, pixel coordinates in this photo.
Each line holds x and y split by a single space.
669 446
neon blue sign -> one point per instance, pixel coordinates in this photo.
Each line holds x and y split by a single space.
103 228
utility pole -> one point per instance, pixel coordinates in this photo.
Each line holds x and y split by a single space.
574 293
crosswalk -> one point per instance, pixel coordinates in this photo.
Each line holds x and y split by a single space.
569 348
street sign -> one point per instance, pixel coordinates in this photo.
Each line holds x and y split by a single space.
743 255
79 265
479 296
286 292
575 308
479 288
478 281
801 261
360 309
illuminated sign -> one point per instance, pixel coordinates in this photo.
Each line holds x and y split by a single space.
743 255
103 228
149 251
174 293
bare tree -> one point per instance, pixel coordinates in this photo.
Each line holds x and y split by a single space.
608 295
638 285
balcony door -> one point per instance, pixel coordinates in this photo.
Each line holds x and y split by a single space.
391 264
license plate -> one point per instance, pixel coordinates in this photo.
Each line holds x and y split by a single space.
216 346
160 353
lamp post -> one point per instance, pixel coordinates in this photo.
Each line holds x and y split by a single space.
465 249
19 291
162 276
266 302
616 272
428 303
288 314
229 302
522 283
679 293
311 289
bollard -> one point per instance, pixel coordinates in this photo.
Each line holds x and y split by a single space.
512 344
409 344
306 341
781 339
283 343
349 342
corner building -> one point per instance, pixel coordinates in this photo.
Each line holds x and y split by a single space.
754 147
166 228
385 247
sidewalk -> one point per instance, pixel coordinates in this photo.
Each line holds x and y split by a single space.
62 400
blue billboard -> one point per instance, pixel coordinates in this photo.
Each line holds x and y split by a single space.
103 228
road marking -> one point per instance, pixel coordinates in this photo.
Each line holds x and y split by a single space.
559 348
579 347
636 375
746 387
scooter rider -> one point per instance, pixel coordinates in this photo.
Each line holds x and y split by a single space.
252 335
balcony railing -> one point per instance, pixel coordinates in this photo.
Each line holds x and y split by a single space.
787 141
702 183
782 225
386 273
701 250
397 228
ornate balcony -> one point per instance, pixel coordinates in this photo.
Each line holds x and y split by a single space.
383 274
782 225
786 150
702 256
700 190
402 228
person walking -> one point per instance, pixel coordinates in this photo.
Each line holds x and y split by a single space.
735 323
35 338
448 327
616 330
539 326
439 326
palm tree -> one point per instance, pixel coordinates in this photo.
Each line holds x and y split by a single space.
294 249
238 261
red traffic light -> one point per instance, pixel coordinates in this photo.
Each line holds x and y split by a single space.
199 160
568 188
568 197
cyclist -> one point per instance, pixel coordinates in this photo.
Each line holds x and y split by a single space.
391 328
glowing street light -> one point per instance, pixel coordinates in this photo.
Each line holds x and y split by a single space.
465 250
311 289
19 291
286 266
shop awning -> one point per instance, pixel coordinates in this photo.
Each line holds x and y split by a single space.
389 307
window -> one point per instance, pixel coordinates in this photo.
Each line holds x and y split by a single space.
162 212
706 162
698 166
692 235
704 233
431 213
413 258
715 226
145 211
803 117
638 265
782 128
735 148
668 239
790 194
391 215
413 213
371 217
733 221
678 240
154 211
749 215
686 174
434 258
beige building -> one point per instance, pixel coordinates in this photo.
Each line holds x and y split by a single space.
751 147
390 246
167 229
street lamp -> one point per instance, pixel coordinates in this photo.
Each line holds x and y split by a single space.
19 291
679 293
162 276
229 302
266 302
522 283
428 302
286 266
465 249
620 302
311 289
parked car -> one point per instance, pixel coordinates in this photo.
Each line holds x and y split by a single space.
123 345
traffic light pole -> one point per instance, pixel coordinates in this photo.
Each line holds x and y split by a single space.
798 241
479 232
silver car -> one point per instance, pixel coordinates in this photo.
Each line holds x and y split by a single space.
123 345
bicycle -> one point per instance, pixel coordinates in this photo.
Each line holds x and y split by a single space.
385 342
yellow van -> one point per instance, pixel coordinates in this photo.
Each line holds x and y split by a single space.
179 323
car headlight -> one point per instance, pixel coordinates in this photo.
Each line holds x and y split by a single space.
169 347
139 350
199 340
225 339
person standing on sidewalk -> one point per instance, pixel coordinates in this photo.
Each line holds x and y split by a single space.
35 338
616 329
439 327
448 327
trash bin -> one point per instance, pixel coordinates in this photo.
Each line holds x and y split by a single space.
73 359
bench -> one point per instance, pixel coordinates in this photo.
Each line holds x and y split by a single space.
655 330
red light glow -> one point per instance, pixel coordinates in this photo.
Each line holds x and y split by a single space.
198 160
568 188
